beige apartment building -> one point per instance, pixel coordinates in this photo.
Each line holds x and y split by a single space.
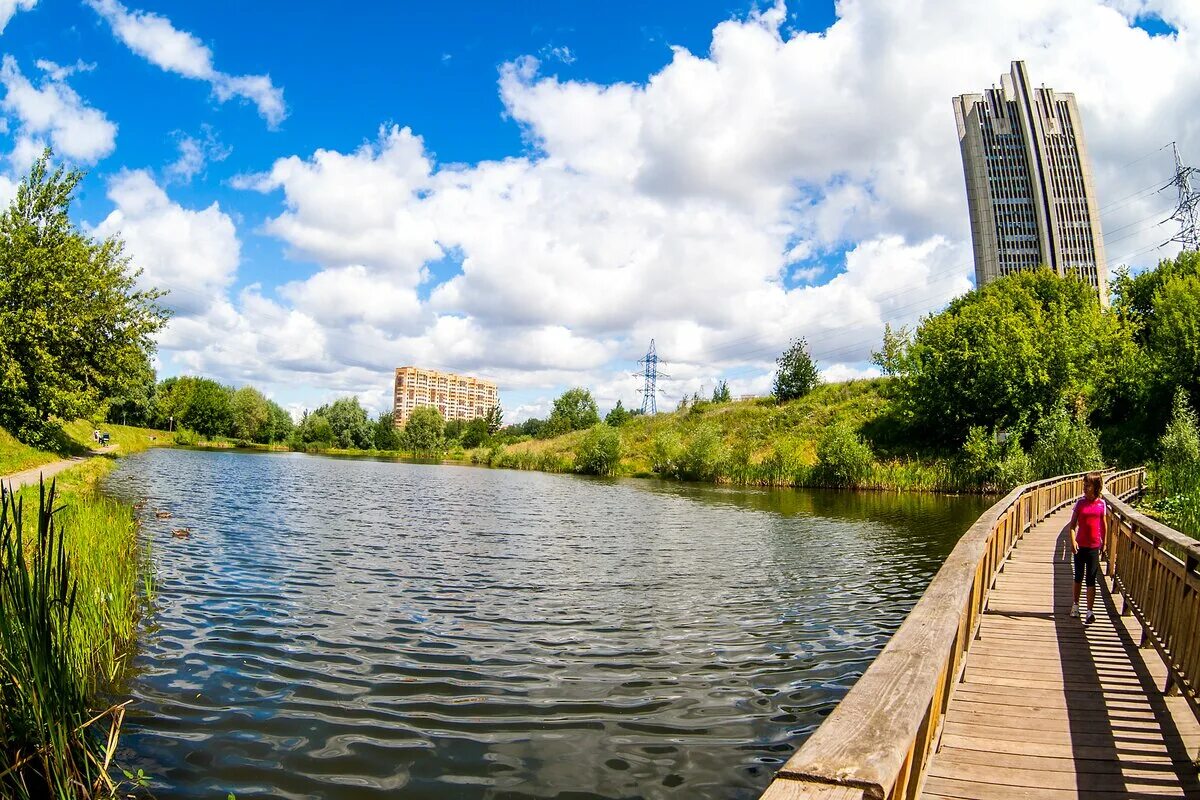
456 396
1030 192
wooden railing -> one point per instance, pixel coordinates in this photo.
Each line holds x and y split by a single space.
878 740
1155 570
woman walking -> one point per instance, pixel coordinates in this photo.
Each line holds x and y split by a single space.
1089 524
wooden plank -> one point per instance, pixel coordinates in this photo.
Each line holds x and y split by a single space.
971 790
1063 748
785 789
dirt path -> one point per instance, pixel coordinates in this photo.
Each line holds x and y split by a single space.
30 476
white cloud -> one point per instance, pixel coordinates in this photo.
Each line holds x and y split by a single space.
155 39
688 207
195 153
59 72
193 254
9 8
53 113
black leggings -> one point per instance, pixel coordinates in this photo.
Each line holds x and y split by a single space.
1087 565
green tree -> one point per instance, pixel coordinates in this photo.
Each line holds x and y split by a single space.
796 374
454 429
890 356
1179 449
1063 445
135 403
208 411
74 329
250 413
423 432
574 410
494 419
599 451
1007 355
279 424
387 437
618 416
721 393
351 426
475 433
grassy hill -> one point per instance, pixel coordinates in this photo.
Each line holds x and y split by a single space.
757 442
76 440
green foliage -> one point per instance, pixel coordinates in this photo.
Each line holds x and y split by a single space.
1063 445
423 432
721 393
494 420
992 464
843 458
200 404
618 416
666 450
74 330
349 424
454 429
476 432
796 374
314 429
1179 450
386 436
186 438
599 452
1005 354
574 410
249 413
704 455
890 357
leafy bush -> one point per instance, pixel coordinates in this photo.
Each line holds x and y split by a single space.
1179 450
665 452
599 452
186 437
1062 445
703 457
843 458
989 464
618 416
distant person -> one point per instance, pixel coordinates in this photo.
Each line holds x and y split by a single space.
1089 524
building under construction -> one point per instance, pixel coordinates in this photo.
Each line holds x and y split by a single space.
455 396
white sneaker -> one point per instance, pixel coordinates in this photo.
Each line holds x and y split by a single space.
1075 610
1090 618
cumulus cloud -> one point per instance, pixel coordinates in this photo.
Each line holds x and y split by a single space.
193 254
155 39
9 8
778 186
52 113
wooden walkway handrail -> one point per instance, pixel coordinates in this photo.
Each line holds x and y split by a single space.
1156 570
877 741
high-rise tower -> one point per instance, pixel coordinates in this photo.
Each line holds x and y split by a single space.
1029 182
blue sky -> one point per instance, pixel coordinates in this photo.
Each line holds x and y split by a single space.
561 181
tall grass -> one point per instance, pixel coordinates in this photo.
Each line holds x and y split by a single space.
53 741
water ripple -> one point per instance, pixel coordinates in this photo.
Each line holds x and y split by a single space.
357 629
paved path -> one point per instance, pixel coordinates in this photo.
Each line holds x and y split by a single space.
1050 709
30 476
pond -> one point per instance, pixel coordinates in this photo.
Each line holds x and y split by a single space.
340 629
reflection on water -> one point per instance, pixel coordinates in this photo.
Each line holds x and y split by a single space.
358 629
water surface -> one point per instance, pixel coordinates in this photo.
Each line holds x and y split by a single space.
363 629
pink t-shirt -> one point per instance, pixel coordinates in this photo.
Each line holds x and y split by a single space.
1089 516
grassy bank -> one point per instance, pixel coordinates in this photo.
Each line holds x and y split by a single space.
815 441
72 590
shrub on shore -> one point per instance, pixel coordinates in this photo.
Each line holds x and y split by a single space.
599 452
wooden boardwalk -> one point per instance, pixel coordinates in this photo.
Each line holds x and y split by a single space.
1049 708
